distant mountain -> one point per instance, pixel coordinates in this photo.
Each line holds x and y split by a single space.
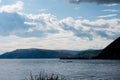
42 53
85 54
112 51
88 53
35 53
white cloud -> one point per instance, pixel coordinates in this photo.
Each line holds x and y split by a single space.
91 29
111 10
18 6
107 16
44 22
41 25
28 25
113 4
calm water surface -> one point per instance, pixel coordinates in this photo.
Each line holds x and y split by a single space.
18 69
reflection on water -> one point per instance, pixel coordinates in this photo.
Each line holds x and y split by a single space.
18 69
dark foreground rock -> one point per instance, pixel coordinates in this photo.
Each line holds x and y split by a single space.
112 51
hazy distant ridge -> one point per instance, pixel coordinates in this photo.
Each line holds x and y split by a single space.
42 53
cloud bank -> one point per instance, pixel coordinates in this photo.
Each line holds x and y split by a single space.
12 8
43 25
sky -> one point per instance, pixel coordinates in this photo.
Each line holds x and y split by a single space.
58 24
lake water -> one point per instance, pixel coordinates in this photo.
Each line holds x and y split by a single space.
18 69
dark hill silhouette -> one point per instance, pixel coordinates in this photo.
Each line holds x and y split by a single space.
112 51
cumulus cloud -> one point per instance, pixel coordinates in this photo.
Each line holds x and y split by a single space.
43 25
28 25
96 1
107 16
91 29
12 8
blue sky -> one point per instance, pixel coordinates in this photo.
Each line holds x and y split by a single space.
55 24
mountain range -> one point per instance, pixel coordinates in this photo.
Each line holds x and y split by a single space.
43 53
